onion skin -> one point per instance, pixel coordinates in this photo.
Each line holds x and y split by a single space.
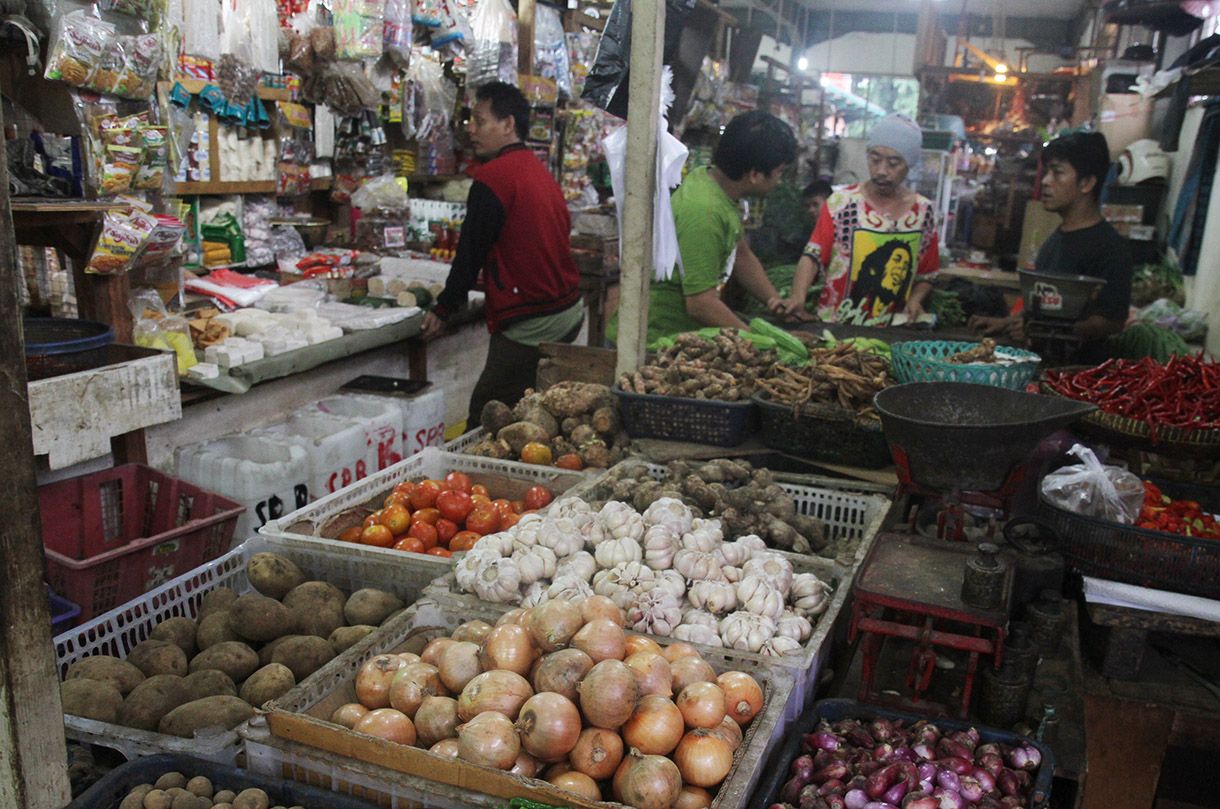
501 691
490 740
730 731
692 797
432 652
553 624
436 720
656 727
639 643
411 684
601 639
388 724
579 783
823 740
472 631
674 651
595 607
373 681
702 705
687 670
920 800
957 766
856 799
743 696
652 672
608 695
561 672
509 647
445 747
881 780
549 726
459 664
511 617
347 715
526 765
649 782
598 753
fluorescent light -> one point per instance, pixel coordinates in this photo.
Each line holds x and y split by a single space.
1001 68
1000 78
802 63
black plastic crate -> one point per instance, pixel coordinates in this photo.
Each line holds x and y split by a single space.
109 792
824 433
700 421
775 771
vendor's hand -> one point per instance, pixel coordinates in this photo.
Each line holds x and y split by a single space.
981 324
432 327
913 310
801 315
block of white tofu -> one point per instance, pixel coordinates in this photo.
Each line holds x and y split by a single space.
252 351
221 356
203 370
305 314
276 332
296 341
253 325
331 333
274 345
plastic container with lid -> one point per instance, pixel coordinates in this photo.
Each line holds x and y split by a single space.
336 447
382 421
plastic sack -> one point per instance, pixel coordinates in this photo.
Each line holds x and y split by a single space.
606 84
1095 490
359 28
493 53
386 191
453 33
551 50
397 30
286 242
431 99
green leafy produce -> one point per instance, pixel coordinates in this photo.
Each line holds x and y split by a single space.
1160 280
1142 339
860 343
781 279
791 350
947 306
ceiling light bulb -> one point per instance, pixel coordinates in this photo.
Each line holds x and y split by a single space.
1000 78
802 63
1001 68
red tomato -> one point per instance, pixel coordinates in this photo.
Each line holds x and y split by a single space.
518 506
445 530
479 488
397 499
397 519
409 544
483 520
458 481
454 505
538 497
374 518
424 494
405 487
424 532
480 499
428 515
508 520
463 541
439 551
502 506
352 534
570 461
377 535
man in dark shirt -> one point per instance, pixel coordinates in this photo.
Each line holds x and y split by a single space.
1083 244
517 231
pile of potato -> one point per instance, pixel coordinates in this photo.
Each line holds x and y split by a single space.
727 368
577 423
175 791
238 653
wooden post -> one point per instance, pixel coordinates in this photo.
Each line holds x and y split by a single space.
525 37
33 759
643 114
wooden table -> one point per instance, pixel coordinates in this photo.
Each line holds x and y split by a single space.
601 296
984 278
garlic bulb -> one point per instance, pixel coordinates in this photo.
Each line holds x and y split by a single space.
780 646
704 535
772 568
696 565
560 535
731 554
501 544
731 574
535 562
569 588
698 633
619 551
467 568
572 508
621 520
716 597
660 544
746 631
792 624
525 532
616 583
671 513
655 612
810 595
535 594
753 544
498 581
759 597
594 532
580 564
691 615
672 581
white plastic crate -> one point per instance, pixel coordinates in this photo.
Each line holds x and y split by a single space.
313 523
116 632
466 440
333 685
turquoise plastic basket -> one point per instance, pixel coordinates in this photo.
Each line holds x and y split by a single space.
924 361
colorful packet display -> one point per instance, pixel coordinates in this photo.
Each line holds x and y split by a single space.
151 174
91 54
144 9
120 241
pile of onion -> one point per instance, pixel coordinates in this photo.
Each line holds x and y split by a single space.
560 692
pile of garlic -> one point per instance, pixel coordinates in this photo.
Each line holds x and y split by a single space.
672 574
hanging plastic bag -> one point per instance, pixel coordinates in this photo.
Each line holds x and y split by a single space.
453 33
432 97
1095 490
386 191
359 28
551 50
493 53
606 84
396 31
671 155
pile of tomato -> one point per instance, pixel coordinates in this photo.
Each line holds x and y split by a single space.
1162 513
442 517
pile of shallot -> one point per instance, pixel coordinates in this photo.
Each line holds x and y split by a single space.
561 692
882 765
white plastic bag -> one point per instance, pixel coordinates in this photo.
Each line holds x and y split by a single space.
1095 490
493 54
671 155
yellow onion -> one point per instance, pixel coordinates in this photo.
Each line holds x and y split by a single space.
693 797
728 730
601 639
597 753
608 694
459 664
595 607
432 652
674 651
388 724
703 760
549 726
558 768
511 617
687 670
579 783
490 740
526 765
562 672
653 673
445 747
411 684
497 690
347 715
639 643
509 647
373 681
408 657
647 782
702 706
553 624
473 631
656 727
743 696
436 719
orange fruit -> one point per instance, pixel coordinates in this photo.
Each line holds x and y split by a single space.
426 515
570 461
463 541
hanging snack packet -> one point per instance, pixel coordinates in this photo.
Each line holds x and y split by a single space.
106 75
117 244
151 173
77 49
144 9
139 77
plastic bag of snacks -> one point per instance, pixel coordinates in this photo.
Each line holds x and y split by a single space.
122 236
358 28
77 49
144 9
151 173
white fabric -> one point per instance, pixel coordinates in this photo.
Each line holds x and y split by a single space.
1118 594
242 297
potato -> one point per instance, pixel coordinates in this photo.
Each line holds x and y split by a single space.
224 796
178 631
264 654
520 433
273 575
153 657
370 606
153 699
251 799
530 409
215 629
171 780
259 618
91 699
303 654
225 805
235 659
270 682
318 608
135 798
496 416
157 799
209 683
215 600
119 673
345 637
226 712
185 800
199 785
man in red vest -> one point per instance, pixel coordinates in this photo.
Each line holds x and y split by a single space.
517 231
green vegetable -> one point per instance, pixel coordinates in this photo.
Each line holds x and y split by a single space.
791 350
861 343
1142 339
781 279
525 803
947 307
1162 279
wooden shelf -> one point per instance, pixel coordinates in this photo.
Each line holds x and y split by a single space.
195 86
256 187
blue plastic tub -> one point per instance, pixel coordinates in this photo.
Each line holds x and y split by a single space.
775 772
63 612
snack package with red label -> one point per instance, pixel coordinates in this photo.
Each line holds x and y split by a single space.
120 241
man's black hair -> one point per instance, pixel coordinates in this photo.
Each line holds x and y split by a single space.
817 188
1086 152
506 100
754 141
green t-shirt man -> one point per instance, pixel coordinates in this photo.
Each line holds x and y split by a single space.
708 225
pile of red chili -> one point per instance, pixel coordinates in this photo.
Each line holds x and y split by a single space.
1160 513
1184 392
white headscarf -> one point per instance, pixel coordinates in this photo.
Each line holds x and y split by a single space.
904 136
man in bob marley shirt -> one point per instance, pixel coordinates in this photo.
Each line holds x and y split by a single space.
876 241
